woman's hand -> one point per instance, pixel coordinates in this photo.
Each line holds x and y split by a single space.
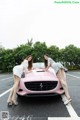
28 71
33 68
45 69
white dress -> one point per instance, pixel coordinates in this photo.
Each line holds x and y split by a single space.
18 69
55 65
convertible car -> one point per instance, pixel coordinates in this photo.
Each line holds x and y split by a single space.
39 83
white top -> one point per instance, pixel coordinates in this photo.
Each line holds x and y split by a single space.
50 61
18 70
24 65
55 65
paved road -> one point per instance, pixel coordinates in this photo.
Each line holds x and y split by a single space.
42 108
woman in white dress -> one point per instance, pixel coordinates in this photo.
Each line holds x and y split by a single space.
17 72
59 70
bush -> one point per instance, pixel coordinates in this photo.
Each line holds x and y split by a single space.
69 57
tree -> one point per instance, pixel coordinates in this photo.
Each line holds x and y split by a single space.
39 49
69 54
21 52
30 42
77 58
6 59
53 52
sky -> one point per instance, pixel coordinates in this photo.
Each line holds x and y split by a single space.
42 20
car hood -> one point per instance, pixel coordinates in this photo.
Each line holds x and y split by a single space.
39 76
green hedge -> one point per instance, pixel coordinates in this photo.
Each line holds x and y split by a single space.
69 56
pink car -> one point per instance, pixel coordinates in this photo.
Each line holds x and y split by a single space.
40 83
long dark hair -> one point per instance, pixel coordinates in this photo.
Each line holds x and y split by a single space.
30 63
45 61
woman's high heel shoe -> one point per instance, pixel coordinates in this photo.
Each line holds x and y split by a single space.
68 101
14 102
10 103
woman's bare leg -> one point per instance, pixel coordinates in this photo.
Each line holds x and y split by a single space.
15 88
12 96
62 77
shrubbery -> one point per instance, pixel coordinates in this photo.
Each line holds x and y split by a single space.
69 57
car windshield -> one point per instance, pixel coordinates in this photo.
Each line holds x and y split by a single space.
38 65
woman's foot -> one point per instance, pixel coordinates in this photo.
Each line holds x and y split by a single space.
9 103
14 102
68 101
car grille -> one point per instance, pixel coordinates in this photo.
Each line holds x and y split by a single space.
41 86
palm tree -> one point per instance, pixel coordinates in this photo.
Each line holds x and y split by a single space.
30 42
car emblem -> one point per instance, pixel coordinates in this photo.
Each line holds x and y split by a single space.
41 85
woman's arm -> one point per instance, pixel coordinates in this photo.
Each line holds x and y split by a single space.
27 71
47 67
49 64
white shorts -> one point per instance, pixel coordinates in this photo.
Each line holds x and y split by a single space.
57 66
17 70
